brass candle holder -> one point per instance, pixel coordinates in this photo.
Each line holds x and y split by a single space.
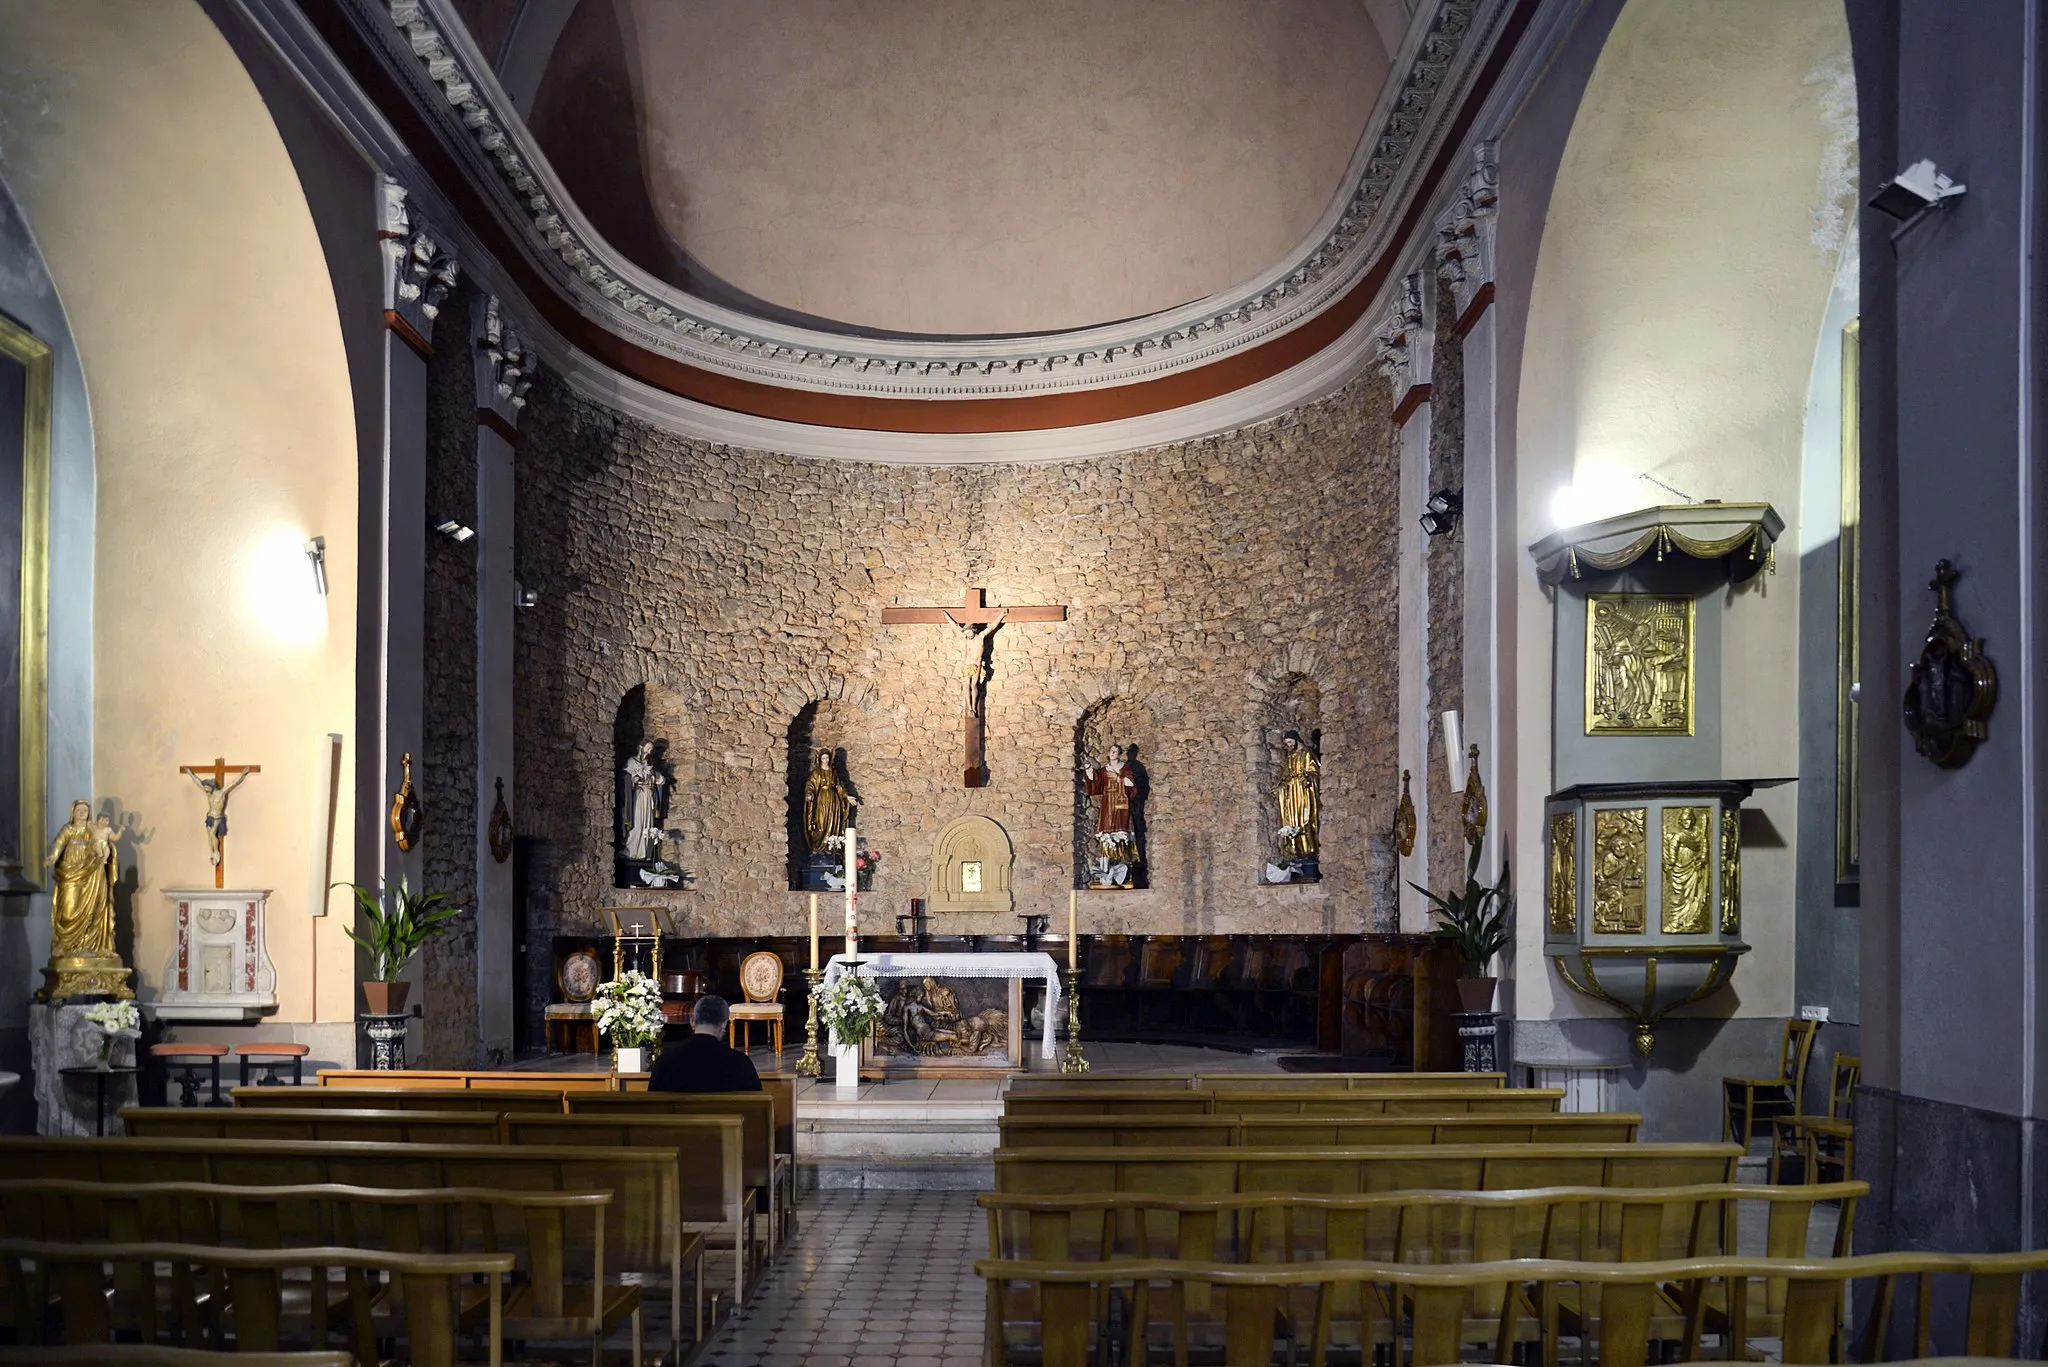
810 1065
1072 1061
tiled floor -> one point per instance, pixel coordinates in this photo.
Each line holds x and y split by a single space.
872 1279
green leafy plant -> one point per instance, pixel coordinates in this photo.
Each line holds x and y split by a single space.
400 923
1475 920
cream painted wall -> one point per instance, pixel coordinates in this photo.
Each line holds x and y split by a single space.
174 226
971 166
1692 234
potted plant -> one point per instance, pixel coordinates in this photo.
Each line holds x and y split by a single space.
400 923
1475 921
628 1009
116 1020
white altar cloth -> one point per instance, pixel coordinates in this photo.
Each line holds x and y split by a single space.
1002 965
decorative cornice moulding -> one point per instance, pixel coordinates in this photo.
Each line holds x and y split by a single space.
426 49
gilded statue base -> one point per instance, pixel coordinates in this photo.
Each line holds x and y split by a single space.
85 977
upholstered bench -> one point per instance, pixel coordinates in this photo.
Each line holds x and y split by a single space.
182 1064
271 1060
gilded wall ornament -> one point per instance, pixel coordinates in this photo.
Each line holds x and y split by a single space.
1404 820
1564 873
1621 865
1639 664
405 809
1472 807
1687 834
499 832
1731 871
1954 687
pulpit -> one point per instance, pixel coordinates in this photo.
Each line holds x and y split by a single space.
219 968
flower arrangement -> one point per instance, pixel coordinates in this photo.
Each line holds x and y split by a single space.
1285 833
850 1007
1111 841
628 1009
864 863
114 1020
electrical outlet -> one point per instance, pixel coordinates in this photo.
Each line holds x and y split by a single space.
1813 1013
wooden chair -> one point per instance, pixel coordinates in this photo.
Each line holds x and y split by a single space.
1822 1140
1746 1100
183 1062
248 1291
761 985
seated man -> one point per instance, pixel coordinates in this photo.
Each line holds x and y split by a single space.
704 1062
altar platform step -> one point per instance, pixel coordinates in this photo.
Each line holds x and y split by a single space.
904 1134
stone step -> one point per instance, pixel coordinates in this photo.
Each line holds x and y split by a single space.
931 1174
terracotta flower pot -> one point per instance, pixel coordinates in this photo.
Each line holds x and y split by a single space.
385 999
1476 994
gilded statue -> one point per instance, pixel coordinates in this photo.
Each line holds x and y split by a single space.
1301 801
828 807
82 958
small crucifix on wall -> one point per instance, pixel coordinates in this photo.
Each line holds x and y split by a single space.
978 623
213 781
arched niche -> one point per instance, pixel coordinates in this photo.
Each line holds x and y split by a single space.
1115 720
971 866
646 715
1290 702
832 724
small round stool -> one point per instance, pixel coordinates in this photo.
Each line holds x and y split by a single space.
271 1060
182 1063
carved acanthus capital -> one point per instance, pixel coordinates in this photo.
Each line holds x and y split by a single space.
419 268
505 364
1407 337
1464 234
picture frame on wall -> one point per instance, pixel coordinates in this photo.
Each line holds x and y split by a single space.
25 409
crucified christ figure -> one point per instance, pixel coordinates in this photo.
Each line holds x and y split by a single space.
217 810
974 639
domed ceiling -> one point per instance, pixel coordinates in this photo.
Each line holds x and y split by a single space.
957 167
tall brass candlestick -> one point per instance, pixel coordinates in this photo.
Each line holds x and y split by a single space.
1073 1061
810 1065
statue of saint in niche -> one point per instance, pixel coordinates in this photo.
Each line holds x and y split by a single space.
644 788
826 814
1300 801
1113 793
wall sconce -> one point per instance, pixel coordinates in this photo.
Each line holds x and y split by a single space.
454 530
1442 511
316 552
1914 191
524 597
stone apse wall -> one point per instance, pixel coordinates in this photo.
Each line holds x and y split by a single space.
1218 590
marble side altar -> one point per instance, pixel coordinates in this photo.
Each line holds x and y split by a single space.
219 967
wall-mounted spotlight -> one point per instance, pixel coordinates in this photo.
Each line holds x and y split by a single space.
454 530
1442 512
524 597
316 552
1914 191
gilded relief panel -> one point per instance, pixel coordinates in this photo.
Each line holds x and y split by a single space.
1688 869
1564 873
1731 872
1621 863
1639 665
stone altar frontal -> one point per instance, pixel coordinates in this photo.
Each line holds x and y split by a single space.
219 969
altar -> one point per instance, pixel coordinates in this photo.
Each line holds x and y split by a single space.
952 1013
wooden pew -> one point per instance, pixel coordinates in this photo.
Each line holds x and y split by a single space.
251 1284
1445 1167
452 1080
276 1122
546 1232
485 1101
645 1233
1355 1082
149 1355
770 1160
711 1156
1284 1131
1122 1101
1439 1301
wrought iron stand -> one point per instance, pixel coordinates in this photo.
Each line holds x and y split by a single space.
1072 1061
810 1065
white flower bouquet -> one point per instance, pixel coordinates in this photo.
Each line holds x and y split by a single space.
628 1009
114 1020
1287 832
1112 840
850 1007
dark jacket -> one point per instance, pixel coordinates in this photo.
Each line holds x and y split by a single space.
703 1063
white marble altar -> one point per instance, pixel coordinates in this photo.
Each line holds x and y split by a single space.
219 968
1014 966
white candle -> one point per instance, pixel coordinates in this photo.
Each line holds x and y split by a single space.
1454 752
1073 943
814 930
852 893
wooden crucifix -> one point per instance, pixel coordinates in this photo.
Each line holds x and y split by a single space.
978 623
213 781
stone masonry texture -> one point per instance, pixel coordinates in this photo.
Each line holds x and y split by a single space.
1444 568
1216 590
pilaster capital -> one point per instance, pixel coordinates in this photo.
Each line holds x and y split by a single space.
504 364
419 267
1407 339
1464 232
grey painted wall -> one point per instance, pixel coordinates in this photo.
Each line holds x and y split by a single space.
29 297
